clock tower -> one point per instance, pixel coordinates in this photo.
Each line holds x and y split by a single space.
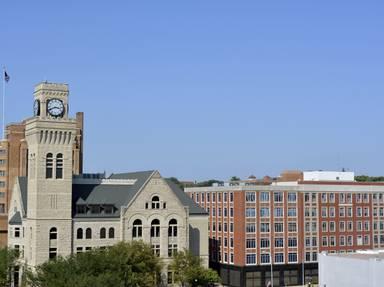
49 134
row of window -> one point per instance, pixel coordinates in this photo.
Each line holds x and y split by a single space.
265 227
220 212
265 242
80 234
345 240
264 196
265 258
277 212
221 226
137 228
206 197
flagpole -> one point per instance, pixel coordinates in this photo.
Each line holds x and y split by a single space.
3 102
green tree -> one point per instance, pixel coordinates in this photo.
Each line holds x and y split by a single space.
188 270
235 178
124 264
7 263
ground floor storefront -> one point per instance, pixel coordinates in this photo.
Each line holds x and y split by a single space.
260 276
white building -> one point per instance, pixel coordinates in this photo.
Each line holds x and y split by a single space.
363 268
320 175
55 213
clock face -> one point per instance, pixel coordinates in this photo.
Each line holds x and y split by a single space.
36 108
55 108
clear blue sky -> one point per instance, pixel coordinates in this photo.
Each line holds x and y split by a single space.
208 89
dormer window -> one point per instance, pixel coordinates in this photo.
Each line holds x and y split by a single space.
81 209
155 202
108 209
95 209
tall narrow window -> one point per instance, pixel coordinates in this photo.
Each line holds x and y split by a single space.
155 202
49 166
137 230
172 228
111 232
88 233
155 228
59 165
79 234
53 233
102 233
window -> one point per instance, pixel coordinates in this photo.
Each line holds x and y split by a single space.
111 232
231 197
251 243
264 258
81 209
250 227
278 197
324 212
292 211
323 197
108 209
292 242
52 253
103 233
250 197
279 257
156 249
332 198
49 166
251 259
324 241
17 232
250 212
2 183
264 212
79 250
155 202
292 227
264 196
59 165
332 227
79 233
172 228
279 242
2 161
331 212
137 230
324 226
95 209
278 212
279 227
342 240
264 227
264 243
88 233
231 212
172 249
291 197
155 228
359 212
292 257
366 211
53 233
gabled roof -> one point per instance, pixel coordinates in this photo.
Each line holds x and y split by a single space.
16 219
117 195
185 200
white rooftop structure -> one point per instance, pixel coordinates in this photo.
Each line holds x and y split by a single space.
321 175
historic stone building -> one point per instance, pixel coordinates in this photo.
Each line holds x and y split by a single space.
54 212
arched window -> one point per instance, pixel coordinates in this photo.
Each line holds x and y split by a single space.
172 228
155 228
111 232
53 233
79 234
155 202
137 230
49 166
88 233
59 165
102 233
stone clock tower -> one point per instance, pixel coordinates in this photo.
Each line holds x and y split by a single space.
49 134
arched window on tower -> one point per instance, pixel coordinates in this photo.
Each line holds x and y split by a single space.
155 202
155 228
59 165
103 233
79 234
53 233
49 166
172 228
137 230
111 232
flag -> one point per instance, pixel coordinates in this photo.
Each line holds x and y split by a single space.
6 76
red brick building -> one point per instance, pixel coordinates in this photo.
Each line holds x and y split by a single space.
254 223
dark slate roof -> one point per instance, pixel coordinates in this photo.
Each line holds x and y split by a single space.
107 194
23 188
16 219
194 208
